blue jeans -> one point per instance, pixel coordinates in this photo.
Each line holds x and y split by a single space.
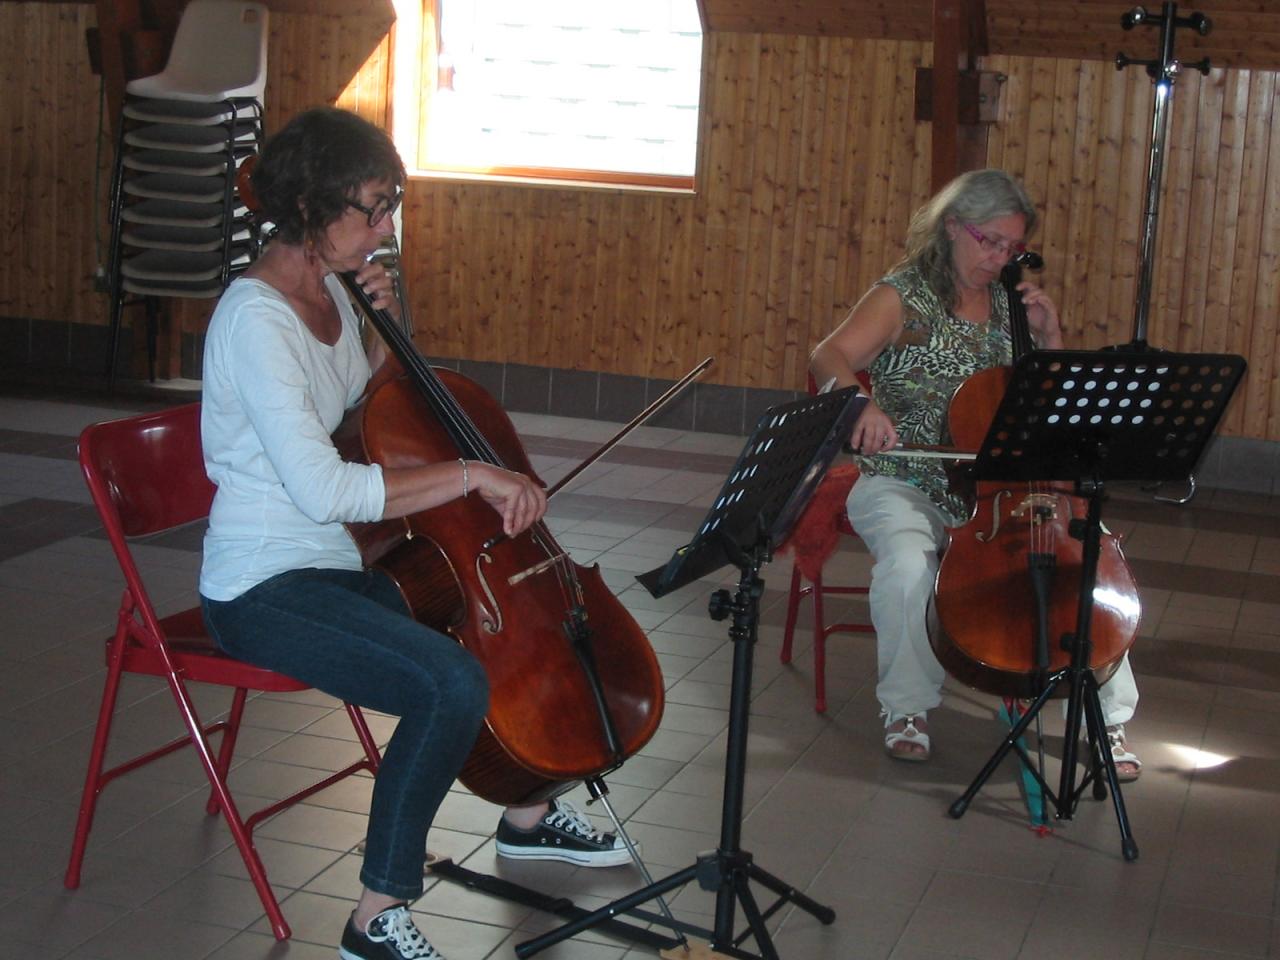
349 634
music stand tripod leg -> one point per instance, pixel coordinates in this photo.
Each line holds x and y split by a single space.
728 869
1102 755
961 804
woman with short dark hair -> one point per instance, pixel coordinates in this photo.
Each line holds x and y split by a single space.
282 583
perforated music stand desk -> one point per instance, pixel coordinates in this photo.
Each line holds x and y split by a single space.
1107 415
1090 418
781 464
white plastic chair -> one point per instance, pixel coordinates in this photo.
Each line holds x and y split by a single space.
219 53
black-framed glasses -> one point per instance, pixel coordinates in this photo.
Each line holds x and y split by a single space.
382 208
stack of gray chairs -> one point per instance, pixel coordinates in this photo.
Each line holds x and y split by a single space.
179 227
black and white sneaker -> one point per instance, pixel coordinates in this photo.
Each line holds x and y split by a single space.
391 935
563 834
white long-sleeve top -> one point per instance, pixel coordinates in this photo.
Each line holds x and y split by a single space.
273 394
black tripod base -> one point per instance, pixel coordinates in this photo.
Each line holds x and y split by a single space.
730 875
1085 705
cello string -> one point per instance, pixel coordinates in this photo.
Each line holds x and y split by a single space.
466 435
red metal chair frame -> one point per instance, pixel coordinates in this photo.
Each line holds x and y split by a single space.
817 589
821 629
146 475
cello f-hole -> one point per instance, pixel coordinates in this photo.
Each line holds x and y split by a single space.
995 519
492 623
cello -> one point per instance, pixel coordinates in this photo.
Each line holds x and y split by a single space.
1018 555
575 687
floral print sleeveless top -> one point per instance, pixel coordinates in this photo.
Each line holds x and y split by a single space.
913 379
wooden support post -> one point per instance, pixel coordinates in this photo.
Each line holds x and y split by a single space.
959 38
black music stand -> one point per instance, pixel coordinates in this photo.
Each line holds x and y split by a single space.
781 465
1091 418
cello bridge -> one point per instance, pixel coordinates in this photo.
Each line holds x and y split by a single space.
1037 507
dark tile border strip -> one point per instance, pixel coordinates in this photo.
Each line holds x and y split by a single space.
1235 463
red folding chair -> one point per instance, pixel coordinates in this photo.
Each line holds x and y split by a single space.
146 475
817 589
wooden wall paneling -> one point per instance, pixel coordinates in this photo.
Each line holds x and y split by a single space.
804 332
880 239
1016 99
1245 280
786 125
506 273
316 58
22 33
760 308
368 93
469 242
996 131
906 159
600 305
68 212
618 308
712 239
634 313
1075 258
805 219
520 221
38 188
1043 139
477 325
1093 329
922 148
1056 204
736 336
417 231
851 174
578 261
730 173
1262 383
712 214
1116 322
1199 238
1175 211
562 227
518 224
446 328
12 29
482 318
1227 187
677 296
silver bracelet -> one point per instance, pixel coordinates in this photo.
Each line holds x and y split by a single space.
466 485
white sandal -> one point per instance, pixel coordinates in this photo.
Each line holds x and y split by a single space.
1120 753
909 733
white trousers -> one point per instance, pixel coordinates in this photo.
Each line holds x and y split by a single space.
904 530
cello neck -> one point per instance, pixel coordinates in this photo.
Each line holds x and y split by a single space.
470 442
1019 328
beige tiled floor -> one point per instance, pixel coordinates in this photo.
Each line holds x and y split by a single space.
825 810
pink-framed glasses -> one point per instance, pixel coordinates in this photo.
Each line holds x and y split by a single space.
1006 248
